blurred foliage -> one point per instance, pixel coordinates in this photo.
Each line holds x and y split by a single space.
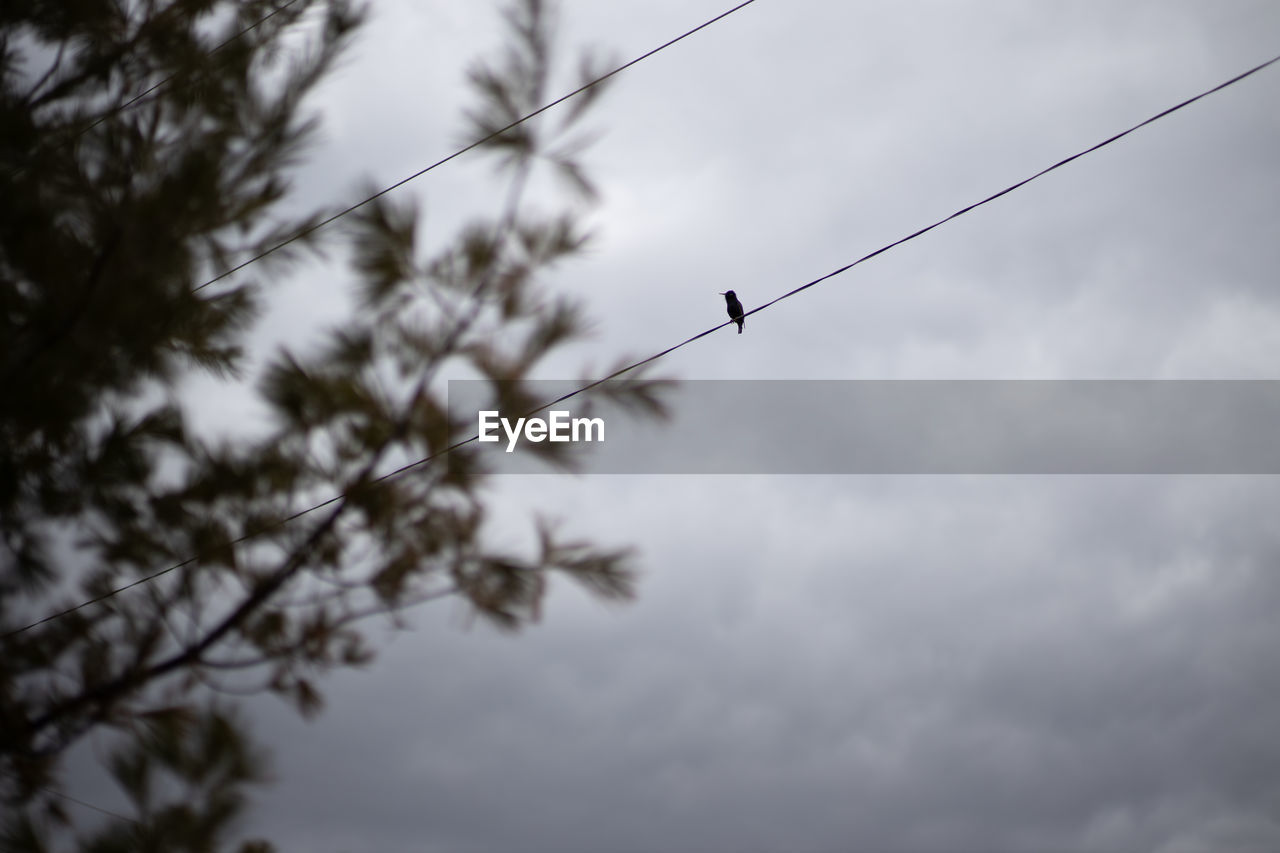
114 212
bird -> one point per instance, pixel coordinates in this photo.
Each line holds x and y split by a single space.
735 308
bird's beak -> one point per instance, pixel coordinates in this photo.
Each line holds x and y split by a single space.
722 292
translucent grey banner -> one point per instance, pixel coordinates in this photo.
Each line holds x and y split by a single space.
891 427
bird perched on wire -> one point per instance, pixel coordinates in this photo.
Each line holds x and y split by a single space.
735 308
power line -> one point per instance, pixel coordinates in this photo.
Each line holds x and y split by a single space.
312 229
72 799
138 98
1021 183
539 111
597 81
412 465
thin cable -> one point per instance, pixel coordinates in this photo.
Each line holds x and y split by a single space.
136 98
412 465
331 219
72 799
380 193
140 96
1019 184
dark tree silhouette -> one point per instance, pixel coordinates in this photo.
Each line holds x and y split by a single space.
115 210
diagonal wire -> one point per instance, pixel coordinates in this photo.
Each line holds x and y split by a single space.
1022 183
635 365
311 229
138 98
141 95
78 802
303 233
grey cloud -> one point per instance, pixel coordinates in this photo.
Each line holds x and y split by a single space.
912 663
919 664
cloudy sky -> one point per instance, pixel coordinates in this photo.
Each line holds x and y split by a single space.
814 663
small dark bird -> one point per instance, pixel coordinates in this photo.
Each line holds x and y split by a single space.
735 308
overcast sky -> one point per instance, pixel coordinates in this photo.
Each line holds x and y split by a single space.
912 663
